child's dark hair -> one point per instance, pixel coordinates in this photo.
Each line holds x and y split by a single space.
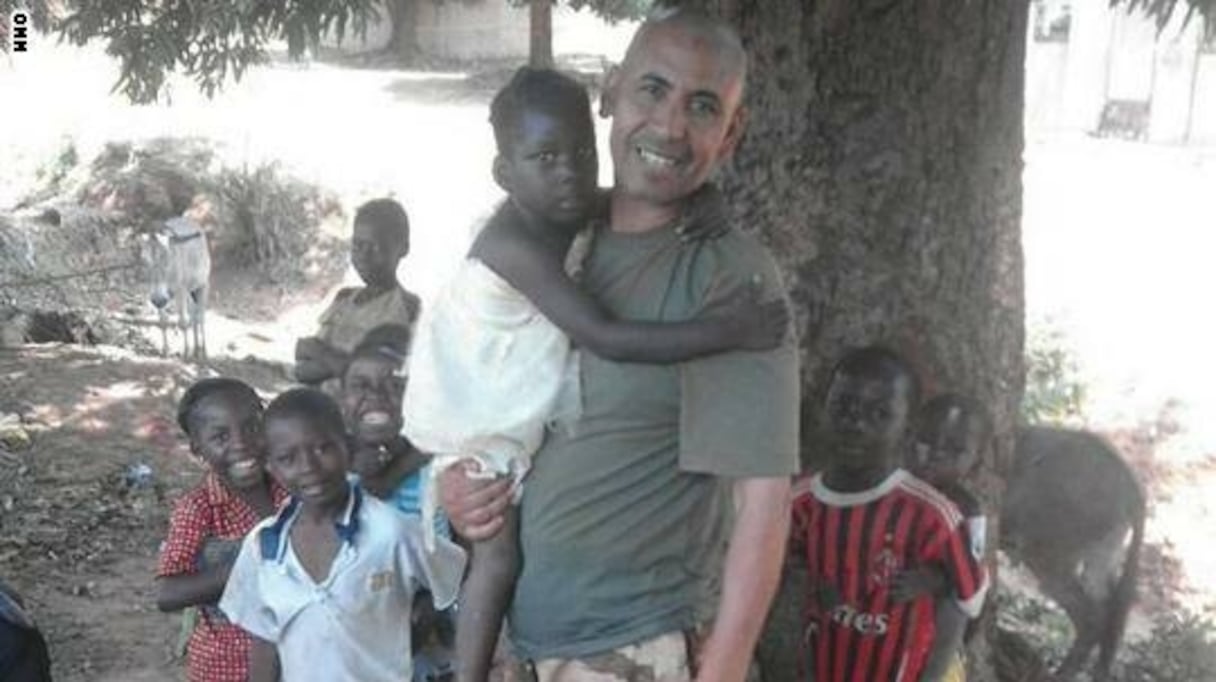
883 362
308 404
205 388
387 216
537 90
974 410
390 341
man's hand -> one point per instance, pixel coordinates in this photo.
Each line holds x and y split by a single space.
753 570
474 506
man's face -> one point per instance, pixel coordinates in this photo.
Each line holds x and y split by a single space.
676 107
374 253
866 415
551 167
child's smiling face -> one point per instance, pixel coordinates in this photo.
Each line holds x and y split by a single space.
308 459
227 434
372 391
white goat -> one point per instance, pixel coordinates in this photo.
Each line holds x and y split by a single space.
178 262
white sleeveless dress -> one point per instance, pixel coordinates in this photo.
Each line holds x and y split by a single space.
487 374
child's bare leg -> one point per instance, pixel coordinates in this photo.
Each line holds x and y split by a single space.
493 567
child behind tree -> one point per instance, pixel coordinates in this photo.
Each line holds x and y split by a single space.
951 434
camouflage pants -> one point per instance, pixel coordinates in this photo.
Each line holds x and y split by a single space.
665 658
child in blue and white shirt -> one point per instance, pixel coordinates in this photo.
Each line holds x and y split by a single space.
326 586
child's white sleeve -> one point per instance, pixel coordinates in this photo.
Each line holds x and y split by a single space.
977 541
242 600
439 571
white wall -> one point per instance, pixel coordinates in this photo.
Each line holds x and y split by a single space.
494 29
487 29
1113 55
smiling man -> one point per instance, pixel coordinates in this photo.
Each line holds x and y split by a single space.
652 532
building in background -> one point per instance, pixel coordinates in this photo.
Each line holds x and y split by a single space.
1094 69
496 29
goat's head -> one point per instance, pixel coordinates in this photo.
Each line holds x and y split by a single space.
154 259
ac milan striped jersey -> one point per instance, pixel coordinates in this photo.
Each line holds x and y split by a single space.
853 544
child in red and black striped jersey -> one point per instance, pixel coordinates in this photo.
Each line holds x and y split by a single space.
863 521
951 433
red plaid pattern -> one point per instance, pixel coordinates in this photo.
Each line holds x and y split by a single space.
218 651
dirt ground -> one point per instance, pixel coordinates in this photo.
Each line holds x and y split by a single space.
76 536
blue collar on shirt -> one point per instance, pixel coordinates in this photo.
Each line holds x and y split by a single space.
270 538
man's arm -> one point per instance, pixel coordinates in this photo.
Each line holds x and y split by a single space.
474 506
750 578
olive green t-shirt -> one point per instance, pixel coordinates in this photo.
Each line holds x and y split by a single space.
624 516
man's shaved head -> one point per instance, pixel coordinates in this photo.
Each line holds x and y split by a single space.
677 111
724 38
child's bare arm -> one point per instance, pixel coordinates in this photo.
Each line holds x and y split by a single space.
176 592
742 322
263 661
951 625
204 586
317 361
922 581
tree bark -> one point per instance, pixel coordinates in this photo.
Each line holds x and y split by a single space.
540 47
403 41
883 166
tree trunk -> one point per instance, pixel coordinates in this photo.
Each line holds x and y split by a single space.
540 47
883 165
403 41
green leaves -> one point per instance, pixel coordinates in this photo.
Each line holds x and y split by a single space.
210 41
1164 10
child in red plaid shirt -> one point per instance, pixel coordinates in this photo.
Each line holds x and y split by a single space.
223 419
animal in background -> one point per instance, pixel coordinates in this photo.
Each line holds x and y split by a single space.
177 261
1070 503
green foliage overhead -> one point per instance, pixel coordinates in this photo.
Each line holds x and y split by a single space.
1163 10
214 40
612 10
616 10
207 40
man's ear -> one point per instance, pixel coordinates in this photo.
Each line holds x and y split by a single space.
502 173
734 133
612 81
